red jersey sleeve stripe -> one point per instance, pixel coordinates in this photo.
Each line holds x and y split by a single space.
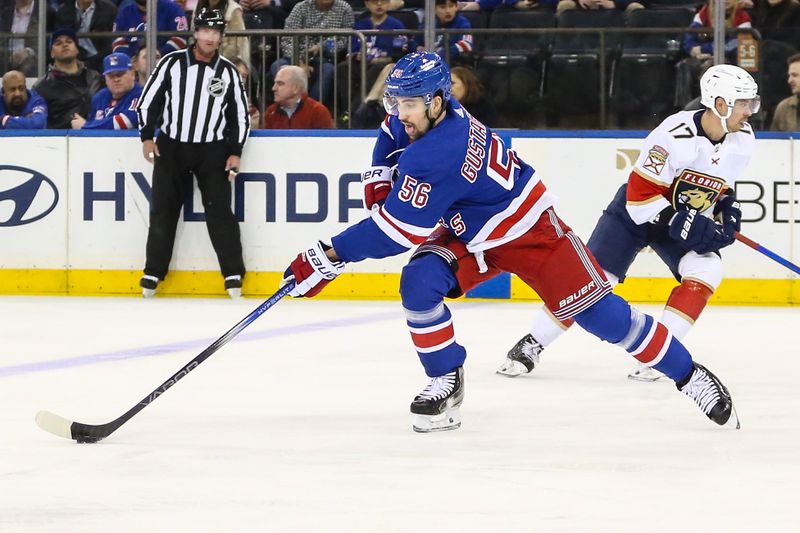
641 189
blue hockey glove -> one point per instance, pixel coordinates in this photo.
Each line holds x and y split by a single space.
730 213
697 232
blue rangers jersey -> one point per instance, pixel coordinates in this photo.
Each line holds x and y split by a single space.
459 173
170 18
33 116
110 114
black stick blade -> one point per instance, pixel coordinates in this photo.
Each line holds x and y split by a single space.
61 427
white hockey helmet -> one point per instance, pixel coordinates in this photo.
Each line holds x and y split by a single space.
731 83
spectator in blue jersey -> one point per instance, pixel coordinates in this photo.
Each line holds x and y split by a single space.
447 17
69 86
133 16
21 108
113 108
380 50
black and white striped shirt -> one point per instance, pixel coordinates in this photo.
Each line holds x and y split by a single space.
195 102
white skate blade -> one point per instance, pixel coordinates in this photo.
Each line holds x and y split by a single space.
235 293
512 369
645 375
449 420
733 421
148 293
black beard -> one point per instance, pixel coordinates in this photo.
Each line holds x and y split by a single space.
15 108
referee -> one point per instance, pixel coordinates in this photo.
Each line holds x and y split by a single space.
196 99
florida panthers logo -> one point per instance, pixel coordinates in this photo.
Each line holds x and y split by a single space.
696 191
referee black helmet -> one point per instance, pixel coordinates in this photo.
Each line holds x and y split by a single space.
210 18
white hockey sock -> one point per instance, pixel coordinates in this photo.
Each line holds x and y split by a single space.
676 323
546 328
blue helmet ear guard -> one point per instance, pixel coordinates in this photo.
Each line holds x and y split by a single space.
423 74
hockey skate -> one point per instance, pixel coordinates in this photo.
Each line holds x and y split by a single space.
522 358
233 284
711 396
645 373
436 407
148 285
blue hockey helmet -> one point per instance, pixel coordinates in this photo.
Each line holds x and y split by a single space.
422 74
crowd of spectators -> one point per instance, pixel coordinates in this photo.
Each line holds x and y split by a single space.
73 77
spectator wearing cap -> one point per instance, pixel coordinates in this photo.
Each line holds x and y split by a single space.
86 16
68 86
21 108
114 108
293 108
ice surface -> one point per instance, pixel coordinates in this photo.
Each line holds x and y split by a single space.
301 424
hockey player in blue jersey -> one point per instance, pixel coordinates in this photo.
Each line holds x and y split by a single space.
476 209
132 17
21 108
114 108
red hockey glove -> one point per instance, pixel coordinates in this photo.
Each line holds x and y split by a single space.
311 271
377 183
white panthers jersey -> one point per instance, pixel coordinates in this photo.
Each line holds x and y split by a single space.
680 166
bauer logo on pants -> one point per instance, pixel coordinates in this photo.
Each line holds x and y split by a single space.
25 195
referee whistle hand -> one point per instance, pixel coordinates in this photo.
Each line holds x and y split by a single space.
150 151
232 167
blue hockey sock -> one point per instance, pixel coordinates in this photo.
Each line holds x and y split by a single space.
424 283
614 320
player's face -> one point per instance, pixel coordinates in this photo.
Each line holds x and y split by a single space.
794 77
411 112
446 12
208 40
742 111
64 48
14 93
120 83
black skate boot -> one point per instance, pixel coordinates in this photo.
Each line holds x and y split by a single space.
522 358
436 407
711 396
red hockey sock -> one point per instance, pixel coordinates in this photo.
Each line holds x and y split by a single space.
689 299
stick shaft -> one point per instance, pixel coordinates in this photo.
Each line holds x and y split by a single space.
94 433
769 253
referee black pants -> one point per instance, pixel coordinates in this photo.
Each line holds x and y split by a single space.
172 180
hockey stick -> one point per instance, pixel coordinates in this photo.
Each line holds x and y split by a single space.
769 253
77 431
